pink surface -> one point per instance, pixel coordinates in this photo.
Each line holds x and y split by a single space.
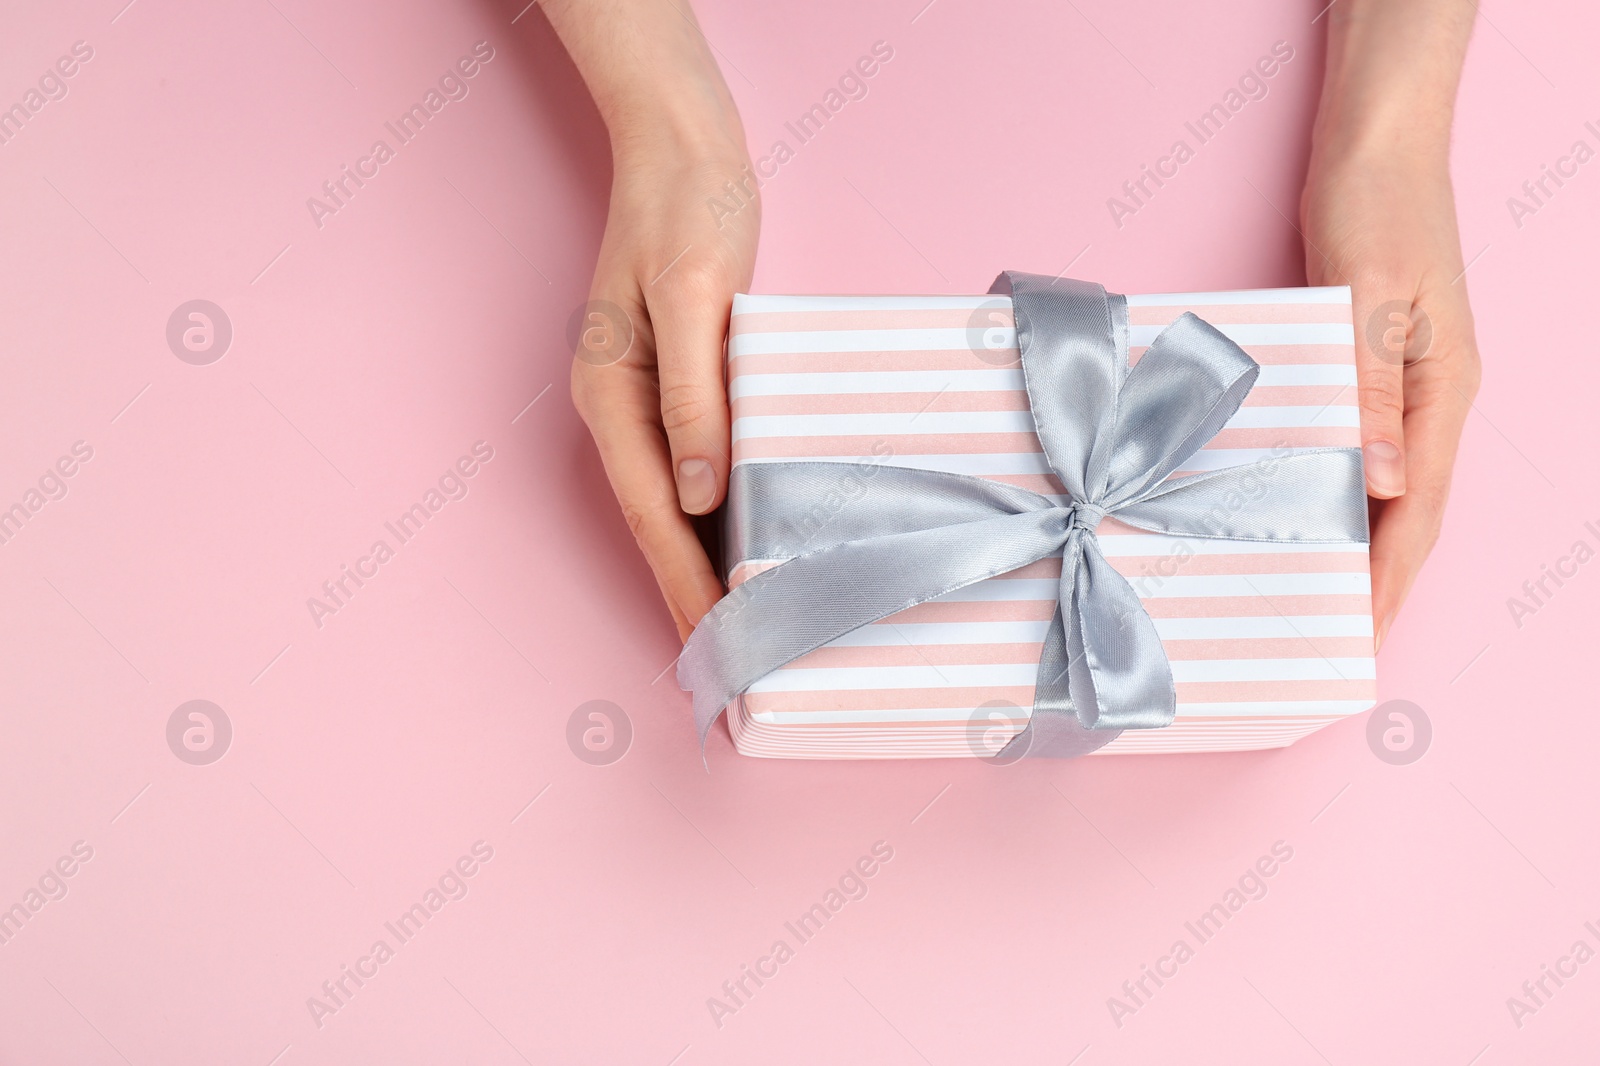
371 754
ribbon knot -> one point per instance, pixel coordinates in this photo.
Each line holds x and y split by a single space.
1081 514
1114 435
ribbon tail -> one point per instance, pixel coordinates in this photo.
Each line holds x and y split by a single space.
1056 729
1125 680
783 613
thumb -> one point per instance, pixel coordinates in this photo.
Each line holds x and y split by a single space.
1389 331
690 324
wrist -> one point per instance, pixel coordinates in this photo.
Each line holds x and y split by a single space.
1376 147
653 77
1362 128
698 123
1388 96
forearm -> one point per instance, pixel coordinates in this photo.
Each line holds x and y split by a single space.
1390 87
649 69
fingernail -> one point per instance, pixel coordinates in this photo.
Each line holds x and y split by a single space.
697 485
1383 631
1386 471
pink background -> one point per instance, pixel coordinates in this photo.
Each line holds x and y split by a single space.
369 754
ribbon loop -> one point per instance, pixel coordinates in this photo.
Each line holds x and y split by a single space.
886 538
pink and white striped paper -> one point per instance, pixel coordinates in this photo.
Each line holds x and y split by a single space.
1268 642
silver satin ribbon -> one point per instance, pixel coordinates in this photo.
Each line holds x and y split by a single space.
1112 434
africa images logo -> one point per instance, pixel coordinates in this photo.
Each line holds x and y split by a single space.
452 87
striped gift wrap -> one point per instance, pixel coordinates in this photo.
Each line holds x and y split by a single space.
1268 642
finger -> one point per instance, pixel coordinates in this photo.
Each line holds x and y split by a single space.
1407 528
619 404
690 318
1382 314
679 620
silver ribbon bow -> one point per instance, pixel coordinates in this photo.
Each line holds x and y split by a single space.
1113 435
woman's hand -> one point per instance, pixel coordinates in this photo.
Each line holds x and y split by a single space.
1378 215
1389 232
659 414
680 240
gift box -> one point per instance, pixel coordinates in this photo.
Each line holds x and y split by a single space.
1267 641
